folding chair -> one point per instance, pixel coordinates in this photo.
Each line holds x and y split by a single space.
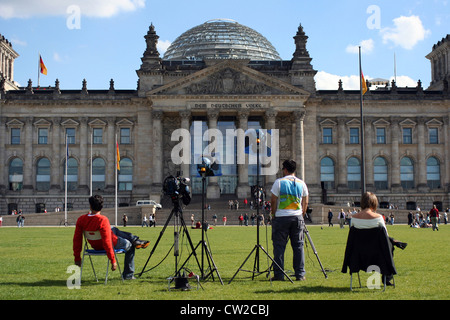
367 248
88 251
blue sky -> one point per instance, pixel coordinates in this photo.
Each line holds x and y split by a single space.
103 39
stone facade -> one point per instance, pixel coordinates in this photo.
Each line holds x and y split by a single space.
406 134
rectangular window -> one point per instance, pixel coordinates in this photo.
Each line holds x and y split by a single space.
70 133
354 135
98 136
433 135
125 136
407 136
42 136
15 136
381 136
327 134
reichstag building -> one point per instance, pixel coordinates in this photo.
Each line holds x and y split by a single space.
223 75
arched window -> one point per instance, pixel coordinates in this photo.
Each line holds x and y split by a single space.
327 173
354 173
98 174
433 173
43 175
407 173
380 173
72 174
126 175
16 174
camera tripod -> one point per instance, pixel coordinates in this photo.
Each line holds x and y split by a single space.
204 247
179 224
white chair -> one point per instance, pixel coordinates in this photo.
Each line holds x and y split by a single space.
88 251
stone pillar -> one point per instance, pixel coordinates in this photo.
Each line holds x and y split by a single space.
243 189
421 156
299 117
55 181
395 158
368 154
4 168
143 148
342 164
157 151
213 189
186 124
111 156
28 156
85 142
445 166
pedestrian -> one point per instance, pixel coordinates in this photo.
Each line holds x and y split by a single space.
341 218
434 216
330 217
289 202
125 220
224 220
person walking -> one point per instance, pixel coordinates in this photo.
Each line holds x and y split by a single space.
434 216
330 218
289 202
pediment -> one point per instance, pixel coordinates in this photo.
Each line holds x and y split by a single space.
230 77
69 122
97 123
328 122
42 123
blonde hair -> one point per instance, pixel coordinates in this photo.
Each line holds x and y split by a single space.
369 201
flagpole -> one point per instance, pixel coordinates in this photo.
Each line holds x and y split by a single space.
65 184
90 186
363 175
39 67
115 170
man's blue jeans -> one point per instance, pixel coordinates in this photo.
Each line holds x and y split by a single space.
284 228
125 241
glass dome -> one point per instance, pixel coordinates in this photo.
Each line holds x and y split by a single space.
221 39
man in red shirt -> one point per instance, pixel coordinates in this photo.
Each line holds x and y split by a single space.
434 217
111 238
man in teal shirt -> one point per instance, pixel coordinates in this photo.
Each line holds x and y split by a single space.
288 207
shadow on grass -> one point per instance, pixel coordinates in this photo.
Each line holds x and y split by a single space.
313 289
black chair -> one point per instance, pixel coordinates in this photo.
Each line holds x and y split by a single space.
369 249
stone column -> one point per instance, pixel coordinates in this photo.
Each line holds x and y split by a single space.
157 151
421 156
342 164
4 168
85 142
186 124
299 117
368 154
243 190
213 189
143 148
395 158
55 181
271 116
28 156
445 166
111 156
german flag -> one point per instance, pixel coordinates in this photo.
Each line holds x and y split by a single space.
118 156
43 68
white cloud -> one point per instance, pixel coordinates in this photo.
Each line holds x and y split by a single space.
328 81
93 8
163 46
367 47
408 31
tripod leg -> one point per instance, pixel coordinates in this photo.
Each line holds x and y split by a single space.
251 252
157 241
210 259
315 252
276 264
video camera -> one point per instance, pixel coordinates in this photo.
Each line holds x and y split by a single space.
176 188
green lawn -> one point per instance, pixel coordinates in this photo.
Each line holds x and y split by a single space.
34 263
